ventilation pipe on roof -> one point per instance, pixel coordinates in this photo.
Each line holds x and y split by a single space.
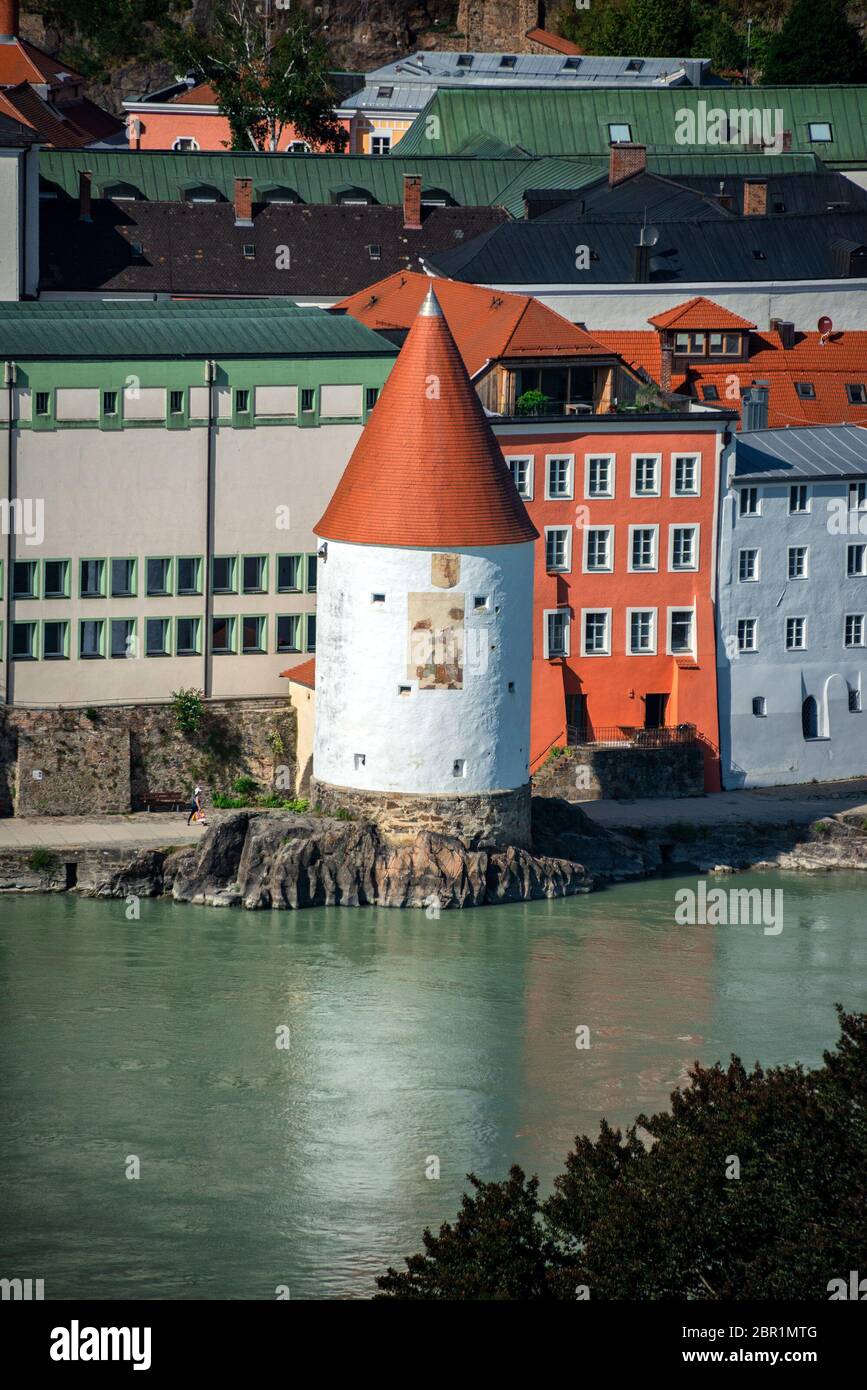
786 331
641 264
754 414
85 190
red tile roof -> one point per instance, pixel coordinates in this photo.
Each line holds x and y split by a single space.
553 41
303 674
486 324
427 471
831 367
201 95
699 313
24 62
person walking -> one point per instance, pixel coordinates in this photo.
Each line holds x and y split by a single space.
195 806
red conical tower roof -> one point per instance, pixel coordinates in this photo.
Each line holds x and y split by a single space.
427 471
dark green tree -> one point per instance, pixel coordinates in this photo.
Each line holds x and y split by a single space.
754 1185
268 73
816 44
658 29
97 36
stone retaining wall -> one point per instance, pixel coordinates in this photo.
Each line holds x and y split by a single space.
480 819
590 774
112 758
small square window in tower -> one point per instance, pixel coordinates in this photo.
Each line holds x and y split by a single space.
459 767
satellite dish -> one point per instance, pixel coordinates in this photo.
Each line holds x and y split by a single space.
649 236
824 325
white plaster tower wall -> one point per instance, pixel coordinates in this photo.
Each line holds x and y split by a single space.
376 729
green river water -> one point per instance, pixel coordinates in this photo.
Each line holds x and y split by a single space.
408 1038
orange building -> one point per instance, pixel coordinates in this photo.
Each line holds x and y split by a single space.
184 117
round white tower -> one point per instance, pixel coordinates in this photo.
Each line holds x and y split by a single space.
424 613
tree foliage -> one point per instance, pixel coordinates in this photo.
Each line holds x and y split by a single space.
665 1216
816 44
98 37
266 78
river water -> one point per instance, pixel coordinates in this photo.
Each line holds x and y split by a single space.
305 1166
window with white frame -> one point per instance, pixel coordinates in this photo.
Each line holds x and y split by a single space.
856 560
796 634
858 497
645 475
380 144
685 476
684 548
521 469
559 476
641 631
681 631
596 634
854 630
799 498
748 634
599 476
557 632
748 565
798 562
760 706
599 547
185 143
557 547
642 547
749 502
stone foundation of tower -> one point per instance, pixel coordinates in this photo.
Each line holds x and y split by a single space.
482 820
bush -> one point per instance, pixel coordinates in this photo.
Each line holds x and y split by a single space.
222 802
671 1220
532 403
245 786
189 710
42 861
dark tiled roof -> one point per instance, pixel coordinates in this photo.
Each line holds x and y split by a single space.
195 248
685 197
542 252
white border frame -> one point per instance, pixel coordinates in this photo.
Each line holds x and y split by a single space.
589 496
695 527
644 569
598 569
608 624
654 631
566 567
686 454
645 454
560 496
681 608
546 612
530 460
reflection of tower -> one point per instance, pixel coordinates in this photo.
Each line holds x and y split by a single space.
425 613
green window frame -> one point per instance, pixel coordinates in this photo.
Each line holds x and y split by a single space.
311 566
310 633
228 648
110 409
188 646
25 641
183 590
290 573
61 648
259 644
131 588
261 562
232 586
98 626
177 407
21 593
42 409
126 628
51 589
371 396
164 589
158 637
288 632
91 560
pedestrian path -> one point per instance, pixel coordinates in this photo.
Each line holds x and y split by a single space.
80 832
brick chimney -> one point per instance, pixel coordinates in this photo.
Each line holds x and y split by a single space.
85 189
243 202
8 20
412 202
755 197
665 362
624 161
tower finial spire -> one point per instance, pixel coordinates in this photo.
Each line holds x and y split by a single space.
430 309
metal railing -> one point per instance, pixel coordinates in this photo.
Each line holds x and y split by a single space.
627 736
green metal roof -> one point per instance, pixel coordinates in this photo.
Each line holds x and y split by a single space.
202 328
316 177
575 123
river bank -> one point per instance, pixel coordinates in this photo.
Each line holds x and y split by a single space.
263 859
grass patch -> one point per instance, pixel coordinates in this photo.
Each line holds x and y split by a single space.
42 861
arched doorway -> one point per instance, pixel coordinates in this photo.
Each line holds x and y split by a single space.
810 718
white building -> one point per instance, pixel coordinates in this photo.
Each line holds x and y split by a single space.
792 618
425 612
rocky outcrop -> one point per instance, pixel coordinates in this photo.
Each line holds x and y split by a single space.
563 831
262 860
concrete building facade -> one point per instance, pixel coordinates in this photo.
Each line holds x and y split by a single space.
792 615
